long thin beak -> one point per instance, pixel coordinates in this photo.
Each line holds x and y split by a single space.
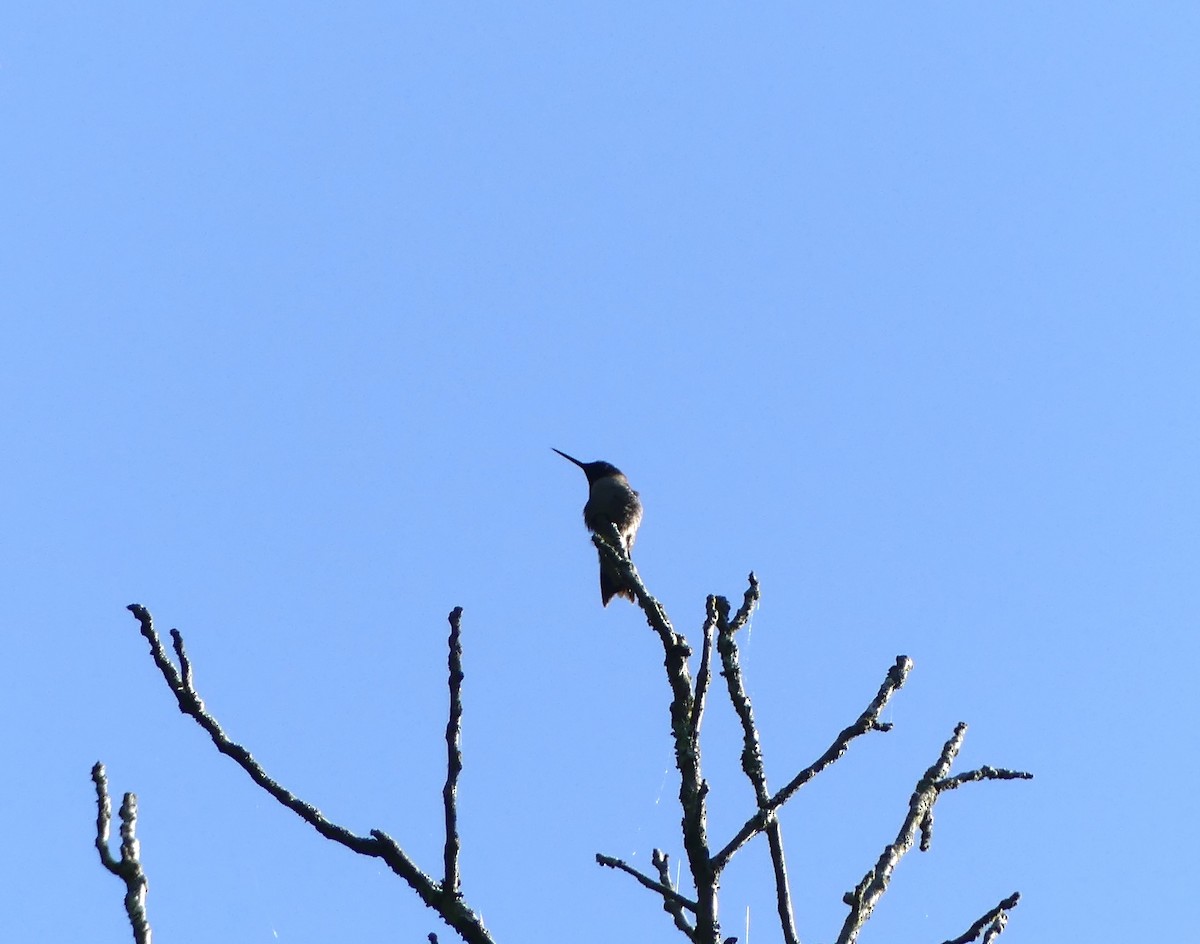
569 458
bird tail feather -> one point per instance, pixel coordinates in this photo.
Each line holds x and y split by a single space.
613 586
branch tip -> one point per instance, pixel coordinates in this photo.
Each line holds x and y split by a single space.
989 924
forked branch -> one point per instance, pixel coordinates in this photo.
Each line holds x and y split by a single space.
129 868
866 894
660 886
443 897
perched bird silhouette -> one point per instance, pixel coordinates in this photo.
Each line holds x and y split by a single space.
610 501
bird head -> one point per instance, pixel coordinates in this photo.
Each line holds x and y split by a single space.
593 470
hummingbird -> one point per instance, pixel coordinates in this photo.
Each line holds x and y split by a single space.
610 501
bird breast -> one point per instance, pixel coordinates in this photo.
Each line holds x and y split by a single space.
612 501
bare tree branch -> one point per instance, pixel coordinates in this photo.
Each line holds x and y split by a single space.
932 785
664 889
704 673
129 868
687 707
693 791
686 710
662 862
752 760
446 901
867 893
953 783
867 721
991 924
983 773
451 883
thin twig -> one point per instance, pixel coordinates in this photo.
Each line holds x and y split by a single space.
752 760
129 868
664 889
982 773
378 844
867 721
661 861
992 923
704 673
454 763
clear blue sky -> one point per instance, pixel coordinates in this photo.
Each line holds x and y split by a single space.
895 304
